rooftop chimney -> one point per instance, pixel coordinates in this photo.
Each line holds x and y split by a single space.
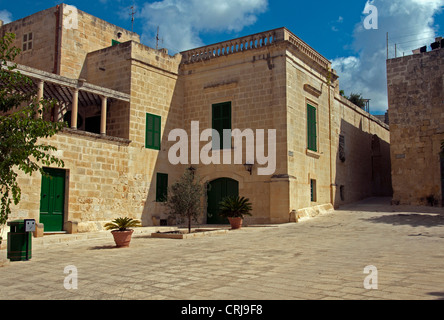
437 44
1 23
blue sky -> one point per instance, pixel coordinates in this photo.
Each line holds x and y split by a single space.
334 28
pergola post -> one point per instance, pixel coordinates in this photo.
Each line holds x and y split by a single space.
103 116
75 108
40 92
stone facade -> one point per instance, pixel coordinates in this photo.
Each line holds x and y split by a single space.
268 78
62 37
416 101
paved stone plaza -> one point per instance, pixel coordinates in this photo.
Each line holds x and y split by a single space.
320 258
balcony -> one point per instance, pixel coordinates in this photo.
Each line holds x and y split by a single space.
251 42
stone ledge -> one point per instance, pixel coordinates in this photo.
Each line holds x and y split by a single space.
312 153
310 212
95 136
196 233
66 238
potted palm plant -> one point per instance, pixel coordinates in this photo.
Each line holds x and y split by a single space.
121 232
235 208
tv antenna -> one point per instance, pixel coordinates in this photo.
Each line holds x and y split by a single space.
157 39
132 18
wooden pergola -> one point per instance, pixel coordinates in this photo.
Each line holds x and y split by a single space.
73 92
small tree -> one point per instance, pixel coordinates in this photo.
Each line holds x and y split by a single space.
357 99
21 125
184 198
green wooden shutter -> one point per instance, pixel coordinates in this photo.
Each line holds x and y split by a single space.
221 120
161 187
153 128
311 128
114 42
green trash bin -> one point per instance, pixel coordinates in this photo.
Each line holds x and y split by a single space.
19 240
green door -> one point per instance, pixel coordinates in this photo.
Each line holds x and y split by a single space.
52 200
217 190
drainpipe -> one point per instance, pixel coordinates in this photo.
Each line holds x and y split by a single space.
329 134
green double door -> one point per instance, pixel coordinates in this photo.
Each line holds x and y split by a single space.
52 200
217 190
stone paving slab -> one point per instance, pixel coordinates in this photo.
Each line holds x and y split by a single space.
320 258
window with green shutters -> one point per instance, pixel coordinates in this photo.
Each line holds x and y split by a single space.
311 129
152 139
221 121
114 42
161 187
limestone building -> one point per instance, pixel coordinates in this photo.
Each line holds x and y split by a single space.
122 100
416 112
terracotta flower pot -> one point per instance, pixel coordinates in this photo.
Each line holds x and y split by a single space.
122 238
236 223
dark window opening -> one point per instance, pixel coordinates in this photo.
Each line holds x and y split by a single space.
67 118
313 190
342 192
161 187
92 124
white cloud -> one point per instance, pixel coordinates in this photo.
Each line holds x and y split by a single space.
6 16
410 24
181 22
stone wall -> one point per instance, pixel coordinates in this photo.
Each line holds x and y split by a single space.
88 35
43 27
365 171
155 89
62 37
97 180
254 82
307 85
416 101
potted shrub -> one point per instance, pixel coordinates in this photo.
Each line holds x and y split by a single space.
121 232
235 208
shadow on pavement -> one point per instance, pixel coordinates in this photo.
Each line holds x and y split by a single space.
439 295
398 214
103 247
414 220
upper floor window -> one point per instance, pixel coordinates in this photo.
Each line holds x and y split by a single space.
27 41
312 138
222 120
152 138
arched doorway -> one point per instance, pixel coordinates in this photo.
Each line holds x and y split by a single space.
217 190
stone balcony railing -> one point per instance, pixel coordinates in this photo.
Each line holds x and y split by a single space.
251 42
